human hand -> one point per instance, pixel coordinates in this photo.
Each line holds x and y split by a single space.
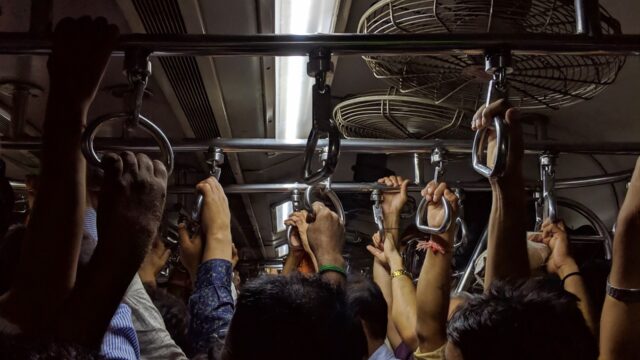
298 220
555 237
433 193
132 199
483 118
383 251
191 250
81 50
394 201
326 236
215 221
153 263
234 256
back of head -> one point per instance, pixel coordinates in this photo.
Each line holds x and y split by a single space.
366 303
532 319
289 317
20 347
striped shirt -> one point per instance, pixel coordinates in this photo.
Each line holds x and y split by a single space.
120 341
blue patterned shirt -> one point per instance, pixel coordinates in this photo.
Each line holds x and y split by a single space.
120 341
211 305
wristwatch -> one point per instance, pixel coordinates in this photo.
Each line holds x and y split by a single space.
622 294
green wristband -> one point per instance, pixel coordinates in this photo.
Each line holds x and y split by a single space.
334 268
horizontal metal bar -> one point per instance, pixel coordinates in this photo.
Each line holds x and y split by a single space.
387 146
347 44
593 180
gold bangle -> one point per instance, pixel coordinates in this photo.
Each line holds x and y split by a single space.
395 274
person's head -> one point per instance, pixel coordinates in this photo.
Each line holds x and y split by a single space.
367 305
532 319
18 347
289 317
10 251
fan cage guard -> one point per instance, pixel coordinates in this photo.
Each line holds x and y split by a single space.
391 115
549 81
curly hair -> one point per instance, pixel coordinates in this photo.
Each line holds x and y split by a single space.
533 319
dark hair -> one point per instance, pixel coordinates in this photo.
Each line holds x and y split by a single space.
19 347
175 315
10 251
533 319
289 317
366 303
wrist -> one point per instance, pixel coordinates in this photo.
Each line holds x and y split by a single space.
147 276
331 259
395 261
391 219
567 267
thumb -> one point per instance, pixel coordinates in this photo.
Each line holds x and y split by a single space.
184 238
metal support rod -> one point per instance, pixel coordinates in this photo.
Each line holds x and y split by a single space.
346 44
467 279
372 146
587 17
418 169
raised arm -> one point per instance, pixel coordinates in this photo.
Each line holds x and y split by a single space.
382 277
620 323
434 283
300 253
507 247
211 305
403 310
564 266
47 272
326 238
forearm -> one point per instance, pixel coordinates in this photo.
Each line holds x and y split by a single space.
625 267
290 264
218 245
507 256
404 304
90 308
620 322
383 280
575 285
433 291
392 225
332 277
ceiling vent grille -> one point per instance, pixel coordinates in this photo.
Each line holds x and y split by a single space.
164 17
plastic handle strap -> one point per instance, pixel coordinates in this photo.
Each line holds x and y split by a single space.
89 134
216 160
322 124
333 197
446 223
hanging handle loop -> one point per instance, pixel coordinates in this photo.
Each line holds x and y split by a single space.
437 160
216 159
322 123
378 215
296 205
498 65
137 69
330 194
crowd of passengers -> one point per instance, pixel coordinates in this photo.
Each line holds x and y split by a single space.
78 278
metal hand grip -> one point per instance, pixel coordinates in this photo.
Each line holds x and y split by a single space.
90 132
216 160
333 197
464 230
446 223
378 215
333 152
502 150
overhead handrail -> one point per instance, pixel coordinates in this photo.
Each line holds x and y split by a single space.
138 69
497 65
437 160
